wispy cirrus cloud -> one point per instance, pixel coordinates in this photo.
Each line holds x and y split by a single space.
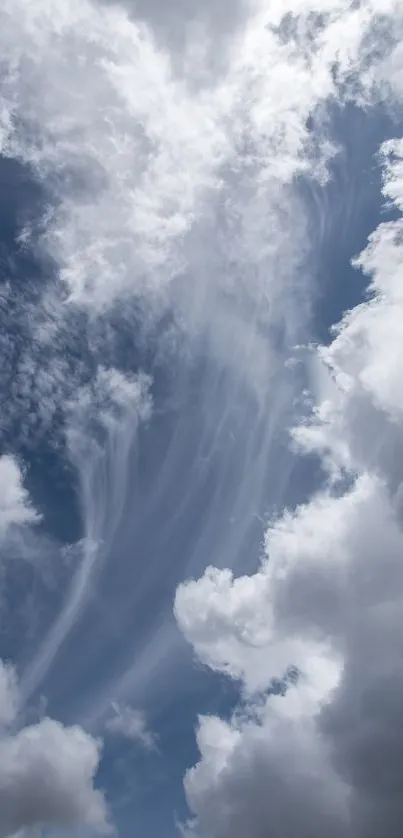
103 421
47 769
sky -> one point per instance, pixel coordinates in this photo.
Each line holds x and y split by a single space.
201 418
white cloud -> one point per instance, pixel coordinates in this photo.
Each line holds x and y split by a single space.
15 506
46 779
326 758
131 724
256 627
118 116
147 168
47 770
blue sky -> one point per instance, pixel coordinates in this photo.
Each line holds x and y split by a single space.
200 487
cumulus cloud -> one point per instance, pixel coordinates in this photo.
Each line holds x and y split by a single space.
265 778
46 779
326 757
327 602
15 505
47 770
131 724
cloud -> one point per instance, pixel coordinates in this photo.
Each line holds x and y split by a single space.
256 627
140 169
9 697
184 195
131 724
327 602
269 778
15 505
145 171
325 757
46 770
46 776
197 35
102 421
358 376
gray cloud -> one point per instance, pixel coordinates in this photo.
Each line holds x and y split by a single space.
47 770
46 776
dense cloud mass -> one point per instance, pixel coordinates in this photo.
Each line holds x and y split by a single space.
173 164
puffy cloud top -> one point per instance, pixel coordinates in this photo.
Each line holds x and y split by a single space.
47 770
46 779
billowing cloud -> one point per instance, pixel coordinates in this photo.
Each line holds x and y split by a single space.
47 770
269 777
15 505
327 604
46 779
